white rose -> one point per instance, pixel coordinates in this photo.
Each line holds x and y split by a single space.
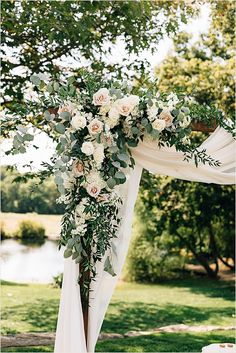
93 189
67 107
159 124
87 148
78 122
166 116
78 168
127 104
101 97
113 117
98 155
95 126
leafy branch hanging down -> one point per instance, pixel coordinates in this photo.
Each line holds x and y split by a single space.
95 124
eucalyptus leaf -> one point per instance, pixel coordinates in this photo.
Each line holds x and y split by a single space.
123 156
65 115
22 149
28 137
67 253
108 267
111 183
58 180
116 164
35 80
60 128
120 175
61 188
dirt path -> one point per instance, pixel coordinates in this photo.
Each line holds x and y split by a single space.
46 339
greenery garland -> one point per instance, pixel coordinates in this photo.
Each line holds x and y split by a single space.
95 125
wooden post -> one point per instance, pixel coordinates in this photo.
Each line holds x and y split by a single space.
85 278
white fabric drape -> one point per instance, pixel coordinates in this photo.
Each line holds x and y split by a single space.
167 161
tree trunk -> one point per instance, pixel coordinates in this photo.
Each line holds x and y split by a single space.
200 258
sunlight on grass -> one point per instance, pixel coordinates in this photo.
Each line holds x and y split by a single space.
34 308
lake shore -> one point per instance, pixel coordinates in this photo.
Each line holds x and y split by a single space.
51 223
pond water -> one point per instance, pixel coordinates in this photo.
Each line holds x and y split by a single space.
30 263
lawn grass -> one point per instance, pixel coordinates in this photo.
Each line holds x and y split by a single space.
33 308
51 223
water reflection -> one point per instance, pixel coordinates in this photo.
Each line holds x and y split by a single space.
30 263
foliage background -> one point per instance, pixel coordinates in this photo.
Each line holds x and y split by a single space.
85 33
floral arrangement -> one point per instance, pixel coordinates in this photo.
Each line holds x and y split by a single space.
95 125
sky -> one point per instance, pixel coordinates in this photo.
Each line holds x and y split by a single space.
46 147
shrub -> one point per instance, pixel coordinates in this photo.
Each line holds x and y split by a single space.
30 231
57 280
151 258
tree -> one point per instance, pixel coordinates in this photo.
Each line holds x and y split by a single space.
36 34
18 196
206 68
196 217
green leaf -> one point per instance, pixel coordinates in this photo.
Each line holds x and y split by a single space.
35 80
108 267
135 130
149 128
56 86
132 143
123 156
22 149
28 137
175 112
71 79
120 175
116 164
50 87
60 128
61 188
70 243
111 183
65 159
67 253
65 115
144 121
58 180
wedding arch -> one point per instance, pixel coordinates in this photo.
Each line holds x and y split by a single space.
106 133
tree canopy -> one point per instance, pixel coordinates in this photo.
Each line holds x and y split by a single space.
205 69
36 34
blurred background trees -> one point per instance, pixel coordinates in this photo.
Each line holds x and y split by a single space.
177 221
28 196
205 69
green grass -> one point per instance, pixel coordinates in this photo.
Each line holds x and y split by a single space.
33 308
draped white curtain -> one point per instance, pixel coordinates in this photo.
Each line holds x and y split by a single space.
70 336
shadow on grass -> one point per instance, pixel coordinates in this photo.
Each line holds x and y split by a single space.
29 349
139 316
209 287
165 342
42 315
